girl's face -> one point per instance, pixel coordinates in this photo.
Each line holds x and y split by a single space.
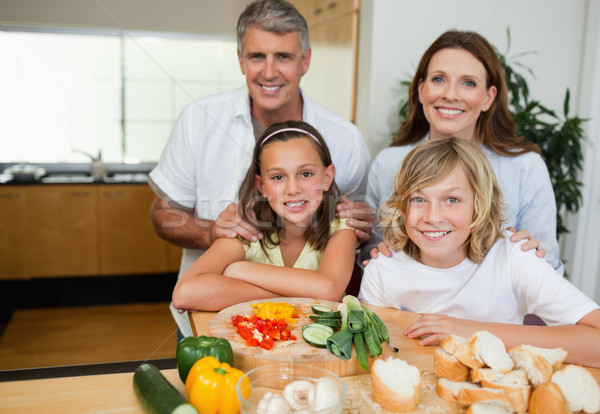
454 94
293 178
438 220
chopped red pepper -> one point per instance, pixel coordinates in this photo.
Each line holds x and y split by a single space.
261 332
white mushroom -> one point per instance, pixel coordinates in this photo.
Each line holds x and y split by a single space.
299 394
326 393
272 403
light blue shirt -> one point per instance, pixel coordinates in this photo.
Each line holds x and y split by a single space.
529 202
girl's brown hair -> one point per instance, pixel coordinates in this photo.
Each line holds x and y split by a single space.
495 127
255 209
429 163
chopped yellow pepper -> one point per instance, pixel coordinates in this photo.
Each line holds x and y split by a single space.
271 310
210 386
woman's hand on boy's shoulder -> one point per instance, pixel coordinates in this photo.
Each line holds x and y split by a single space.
230 225
530 244
382 248
359 215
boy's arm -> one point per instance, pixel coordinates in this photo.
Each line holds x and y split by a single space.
580 340
204 287
329 282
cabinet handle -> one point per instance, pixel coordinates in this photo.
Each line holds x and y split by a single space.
113 193
80 193
10 196
331 5
317 11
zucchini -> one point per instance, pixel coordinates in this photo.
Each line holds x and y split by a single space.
316 334
156 394
324 320
319 309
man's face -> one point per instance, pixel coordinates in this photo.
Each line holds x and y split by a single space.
273 65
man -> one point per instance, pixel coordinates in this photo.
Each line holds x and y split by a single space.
210 148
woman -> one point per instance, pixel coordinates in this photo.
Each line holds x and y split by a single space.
460 90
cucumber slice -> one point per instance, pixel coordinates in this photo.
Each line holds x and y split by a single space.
333 322
315 336
326 328
319 309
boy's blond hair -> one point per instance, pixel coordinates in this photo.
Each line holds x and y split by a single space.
429 163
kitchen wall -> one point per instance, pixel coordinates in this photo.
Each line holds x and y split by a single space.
563 34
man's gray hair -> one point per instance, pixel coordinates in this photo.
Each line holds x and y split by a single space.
276 16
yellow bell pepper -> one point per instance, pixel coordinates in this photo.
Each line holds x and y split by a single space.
210 386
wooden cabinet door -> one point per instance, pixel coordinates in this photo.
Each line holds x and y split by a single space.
62 230
128 243
13 232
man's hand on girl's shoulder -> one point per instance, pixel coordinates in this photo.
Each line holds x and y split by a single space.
360 217
230 225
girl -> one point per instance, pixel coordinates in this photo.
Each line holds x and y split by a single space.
459 90
289 194
456 266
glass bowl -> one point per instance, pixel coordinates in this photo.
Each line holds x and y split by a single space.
269 384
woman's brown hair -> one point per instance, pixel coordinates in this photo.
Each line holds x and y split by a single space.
495 127
255 209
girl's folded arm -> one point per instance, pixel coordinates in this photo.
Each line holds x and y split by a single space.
203 286
329 282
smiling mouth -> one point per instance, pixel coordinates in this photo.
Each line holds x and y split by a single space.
294 204
447 111
435 234
270 88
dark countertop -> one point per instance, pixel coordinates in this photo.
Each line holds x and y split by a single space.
79 173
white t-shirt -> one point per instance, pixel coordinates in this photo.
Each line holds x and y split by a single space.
210 149
506 286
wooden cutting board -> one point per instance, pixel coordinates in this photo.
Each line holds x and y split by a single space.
249 357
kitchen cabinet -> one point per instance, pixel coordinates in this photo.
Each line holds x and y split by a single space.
128 243
58 230
333 33
13 233
62 230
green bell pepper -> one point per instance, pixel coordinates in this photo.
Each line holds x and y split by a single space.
190 350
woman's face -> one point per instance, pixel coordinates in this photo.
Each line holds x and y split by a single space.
454 94
293 178
438 220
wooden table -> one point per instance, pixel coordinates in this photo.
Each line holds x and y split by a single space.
113 393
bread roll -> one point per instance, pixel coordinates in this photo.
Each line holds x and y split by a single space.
467 393
396 384
448 366
538 369
548 399
457 346
489 348
490 407
579 388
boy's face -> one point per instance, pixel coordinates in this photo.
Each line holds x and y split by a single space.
438 220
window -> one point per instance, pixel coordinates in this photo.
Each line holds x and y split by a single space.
119 94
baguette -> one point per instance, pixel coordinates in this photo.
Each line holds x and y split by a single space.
491 350
488 374
457 346
555 356
467 393
516 392
448 366
537 367
548 399
396 384
579 388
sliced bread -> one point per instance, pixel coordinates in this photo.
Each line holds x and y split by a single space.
448 366
396 384
548 399
579 388
490 407
555 356
516 392
467 393
457 346
489 348
537 368
488 374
